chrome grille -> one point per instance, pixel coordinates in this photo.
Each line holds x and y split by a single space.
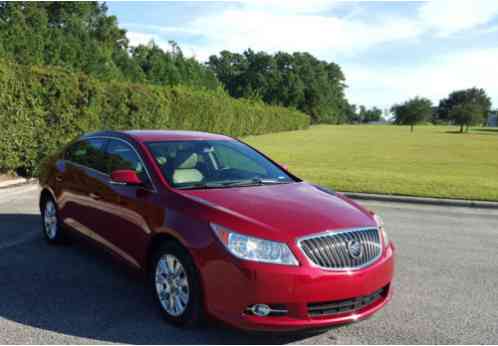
333 250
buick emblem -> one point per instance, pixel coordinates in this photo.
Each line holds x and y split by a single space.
355 249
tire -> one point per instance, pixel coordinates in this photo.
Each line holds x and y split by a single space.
175 284
51 225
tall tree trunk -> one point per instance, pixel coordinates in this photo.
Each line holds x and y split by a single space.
461 128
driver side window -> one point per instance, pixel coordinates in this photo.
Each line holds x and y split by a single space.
122 156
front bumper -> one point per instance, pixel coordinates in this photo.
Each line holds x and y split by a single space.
231 285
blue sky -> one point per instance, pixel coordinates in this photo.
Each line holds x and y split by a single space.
389 51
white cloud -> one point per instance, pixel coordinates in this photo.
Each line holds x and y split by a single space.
137 38
291 6
296 25
237 30
435 79
447 17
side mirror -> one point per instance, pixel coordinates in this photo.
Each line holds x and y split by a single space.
125 176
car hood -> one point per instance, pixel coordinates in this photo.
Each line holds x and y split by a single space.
296 209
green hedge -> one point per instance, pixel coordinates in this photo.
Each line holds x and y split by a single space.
43 108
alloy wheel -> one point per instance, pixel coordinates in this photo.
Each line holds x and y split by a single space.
50 220
172 285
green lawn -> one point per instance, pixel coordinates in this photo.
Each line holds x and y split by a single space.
433 161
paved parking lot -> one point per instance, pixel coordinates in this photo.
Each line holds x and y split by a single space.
446 286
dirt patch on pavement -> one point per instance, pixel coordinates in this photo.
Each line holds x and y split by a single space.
6 177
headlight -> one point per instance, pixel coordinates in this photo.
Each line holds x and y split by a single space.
380 224
254 249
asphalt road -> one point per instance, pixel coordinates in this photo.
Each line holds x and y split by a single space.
446 286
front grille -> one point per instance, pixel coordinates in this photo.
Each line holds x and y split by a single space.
336 250
346 305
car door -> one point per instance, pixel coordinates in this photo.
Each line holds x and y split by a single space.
82 182
128 209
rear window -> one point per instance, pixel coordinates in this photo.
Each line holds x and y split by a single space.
89 153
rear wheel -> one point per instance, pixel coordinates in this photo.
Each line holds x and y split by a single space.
51 225
176 286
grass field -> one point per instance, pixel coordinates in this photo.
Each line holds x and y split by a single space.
434 161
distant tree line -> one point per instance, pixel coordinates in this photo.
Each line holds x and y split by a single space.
465 108
360 114
296 80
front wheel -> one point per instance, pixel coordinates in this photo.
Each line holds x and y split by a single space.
51 225
176 285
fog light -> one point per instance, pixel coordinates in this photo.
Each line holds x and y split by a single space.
260 310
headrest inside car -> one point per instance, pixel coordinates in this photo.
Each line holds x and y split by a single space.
186 160
187 175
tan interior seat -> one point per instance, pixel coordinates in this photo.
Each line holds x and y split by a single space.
185 171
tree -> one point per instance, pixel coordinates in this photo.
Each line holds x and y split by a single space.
76 35
351 113
412 112
354 114
292 80
472 95
466 114
370 115
81 36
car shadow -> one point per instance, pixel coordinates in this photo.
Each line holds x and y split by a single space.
80 291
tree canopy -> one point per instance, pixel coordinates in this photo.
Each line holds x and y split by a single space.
354 114
467 114
461 97
412 112
171 67
293 80
81 36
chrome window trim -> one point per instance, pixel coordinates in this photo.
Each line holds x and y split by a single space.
341 231
105 174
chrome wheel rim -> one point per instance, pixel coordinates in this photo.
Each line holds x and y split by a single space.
172 285
50 220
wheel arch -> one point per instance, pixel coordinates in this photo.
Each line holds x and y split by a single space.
155 242
160 238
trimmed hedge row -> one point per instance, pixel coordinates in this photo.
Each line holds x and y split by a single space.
43 108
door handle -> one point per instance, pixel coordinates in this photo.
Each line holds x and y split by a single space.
58 178
94 196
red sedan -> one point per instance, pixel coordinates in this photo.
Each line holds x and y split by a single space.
220 229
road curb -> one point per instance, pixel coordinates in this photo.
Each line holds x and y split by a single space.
422 200
14 192
15 183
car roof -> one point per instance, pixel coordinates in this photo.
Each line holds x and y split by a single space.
160 135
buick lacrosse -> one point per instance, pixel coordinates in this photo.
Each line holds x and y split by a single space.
220 229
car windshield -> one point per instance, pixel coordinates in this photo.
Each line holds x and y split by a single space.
214 164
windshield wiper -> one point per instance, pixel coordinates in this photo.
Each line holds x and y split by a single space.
200 186
239 183
254 182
